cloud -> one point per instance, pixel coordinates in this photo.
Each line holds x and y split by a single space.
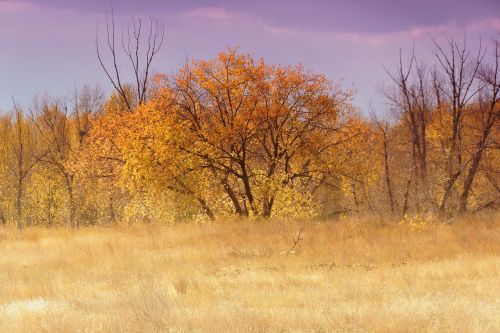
351 37
487 26
360 16
14 6
210 13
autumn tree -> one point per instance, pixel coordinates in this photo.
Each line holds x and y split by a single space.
5 177
58 135
25 153
257 128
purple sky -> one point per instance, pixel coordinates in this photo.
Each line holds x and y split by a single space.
48 45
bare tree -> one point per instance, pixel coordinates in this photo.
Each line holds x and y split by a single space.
140 45
489 109
460 69
411 100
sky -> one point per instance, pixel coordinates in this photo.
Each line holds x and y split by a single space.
48 46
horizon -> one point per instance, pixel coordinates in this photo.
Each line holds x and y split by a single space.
350 43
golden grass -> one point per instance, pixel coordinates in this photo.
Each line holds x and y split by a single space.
352 275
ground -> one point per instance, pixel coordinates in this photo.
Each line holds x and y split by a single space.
353 275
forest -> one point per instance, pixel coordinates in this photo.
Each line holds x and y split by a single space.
236 136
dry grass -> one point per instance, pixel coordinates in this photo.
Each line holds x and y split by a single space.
356 275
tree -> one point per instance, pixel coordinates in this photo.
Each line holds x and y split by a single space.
86 103
257 128
26 154
411 100
139 45
459 74
488 107
57 134
447 119
383 130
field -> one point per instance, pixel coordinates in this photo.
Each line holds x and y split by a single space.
353 275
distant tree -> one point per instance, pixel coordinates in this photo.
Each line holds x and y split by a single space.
457 87
382 129
85 102
488 109
26 153
448 114
412 101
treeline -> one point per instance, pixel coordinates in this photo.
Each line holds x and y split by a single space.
237 136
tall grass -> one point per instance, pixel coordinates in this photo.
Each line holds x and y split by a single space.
358 275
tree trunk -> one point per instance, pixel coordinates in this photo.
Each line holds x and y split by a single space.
234 199
3 220
19 209
248 192
267 206
448 190
206 208
474 166
72 209
388 181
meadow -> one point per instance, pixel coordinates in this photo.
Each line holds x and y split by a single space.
350 275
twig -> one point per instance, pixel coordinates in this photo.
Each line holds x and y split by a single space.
296 241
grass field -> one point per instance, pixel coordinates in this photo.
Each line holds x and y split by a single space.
354 275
